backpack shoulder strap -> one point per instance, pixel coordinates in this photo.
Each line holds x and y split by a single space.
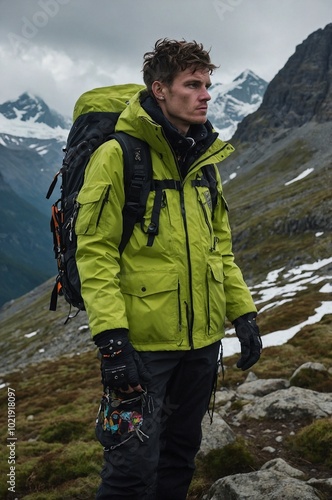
209 180
137 180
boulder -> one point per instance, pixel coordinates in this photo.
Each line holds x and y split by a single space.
216 434
268 483
294 402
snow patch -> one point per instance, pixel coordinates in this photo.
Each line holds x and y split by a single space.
232 345
275 292
326 288
301 176
83 328
31 334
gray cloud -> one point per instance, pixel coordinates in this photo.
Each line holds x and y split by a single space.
60 48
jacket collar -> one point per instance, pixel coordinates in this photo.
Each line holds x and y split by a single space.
186 148
138 122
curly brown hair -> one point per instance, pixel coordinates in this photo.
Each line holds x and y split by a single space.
169 57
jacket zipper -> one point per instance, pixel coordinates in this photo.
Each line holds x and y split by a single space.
189 310
105 200
190 320
179 306
190 317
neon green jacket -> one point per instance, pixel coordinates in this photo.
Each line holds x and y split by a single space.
175 294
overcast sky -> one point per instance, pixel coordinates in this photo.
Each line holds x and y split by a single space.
58 49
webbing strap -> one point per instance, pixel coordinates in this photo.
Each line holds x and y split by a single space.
200 183
157 185
52 186
153 228
209 173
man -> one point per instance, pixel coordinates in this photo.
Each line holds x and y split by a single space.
157 312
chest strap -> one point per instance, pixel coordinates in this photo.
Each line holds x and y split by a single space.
158 186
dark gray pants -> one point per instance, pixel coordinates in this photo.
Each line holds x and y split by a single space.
161 467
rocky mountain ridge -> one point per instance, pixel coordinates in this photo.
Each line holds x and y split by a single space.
300 92
31 140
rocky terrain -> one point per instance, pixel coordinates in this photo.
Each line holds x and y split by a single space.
272 412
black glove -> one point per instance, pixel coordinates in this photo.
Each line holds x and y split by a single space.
250 339
121 366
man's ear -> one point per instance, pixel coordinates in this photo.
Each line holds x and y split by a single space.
158 90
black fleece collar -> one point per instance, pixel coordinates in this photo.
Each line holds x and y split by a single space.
186 148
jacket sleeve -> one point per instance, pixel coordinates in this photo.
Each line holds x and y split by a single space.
99 230
238 296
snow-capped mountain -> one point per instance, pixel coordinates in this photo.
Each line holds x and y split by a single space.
231 102
32 132
32 109
31 140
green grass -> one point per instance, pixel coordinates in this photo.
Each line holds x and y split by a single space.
234 458
57 453
314 442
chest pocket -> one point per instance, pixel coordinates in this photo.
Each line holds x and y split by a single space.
91 203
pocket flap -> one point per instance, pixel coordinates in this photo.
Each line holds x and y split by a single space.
144 284
92 194
91 201
217 272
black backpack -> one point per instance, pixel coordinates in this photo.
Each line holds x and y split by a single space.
92 127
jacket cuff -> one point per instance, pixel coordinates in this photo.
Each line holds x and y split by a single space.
246 317
103 338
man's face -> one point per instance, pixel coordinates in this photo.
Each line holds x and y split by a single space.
185 102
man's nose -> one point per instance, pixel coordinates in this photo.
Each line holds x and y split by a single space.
205 95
